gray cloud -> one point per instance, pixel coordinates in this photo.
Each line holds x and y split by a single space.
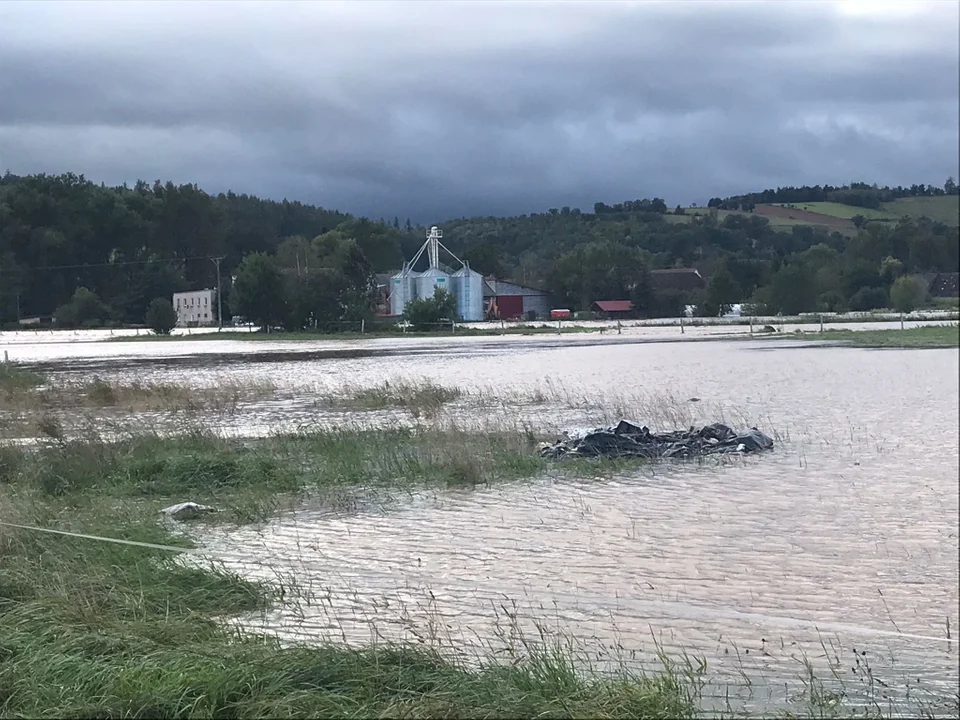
434 110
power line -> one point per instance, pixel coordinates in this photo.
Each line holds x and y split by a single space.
110 264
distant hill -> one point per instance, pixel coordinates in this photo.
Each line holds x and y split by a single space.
129 245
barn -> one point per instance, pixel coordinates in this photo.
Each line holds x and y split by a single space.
510 301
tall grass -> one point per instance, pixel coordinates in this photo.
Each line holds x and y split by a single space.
15 378
93 629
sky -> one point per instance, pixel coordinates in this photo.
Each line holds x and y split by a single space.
441 109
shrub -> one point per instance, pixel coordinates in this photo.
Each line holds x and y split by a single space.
908 293
161 317
427 313
869 298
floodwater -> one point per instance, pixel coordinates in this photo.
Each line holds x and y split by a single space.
843 540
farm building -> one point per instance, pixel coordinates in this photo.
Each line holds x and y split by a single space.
464 284
383 293
197 307
680 279
508 300
943 285
614 308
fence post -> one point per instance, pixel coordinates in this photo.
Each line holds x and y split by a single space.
681 325
821 322
6 356
453 327
751 324
363 325
618 326
502 328
901 321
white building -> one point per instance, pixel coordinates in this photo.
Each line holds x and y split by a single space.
197 307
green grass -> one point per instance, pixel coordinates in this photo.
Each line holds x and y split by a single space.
253 480
945 208
95 629
424 399
15 378
839 210
927 336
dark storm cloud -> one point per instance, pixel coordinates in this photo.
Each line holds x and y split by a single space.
438 109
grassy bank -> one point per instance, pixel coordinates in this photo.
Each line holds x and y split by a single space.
250 481
95 629
928 336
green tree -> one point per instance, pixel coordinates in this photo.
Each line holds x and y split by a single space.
161 317
869 298
908 293
486 258
85 309
722 293
428 313
258 291
858 221
890 269
792 290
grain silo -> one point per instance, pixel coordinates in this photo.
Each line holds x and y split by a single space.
431 278
468 287
401 290
464 284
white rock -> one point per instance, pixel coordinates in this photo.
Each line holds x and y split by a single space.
187 510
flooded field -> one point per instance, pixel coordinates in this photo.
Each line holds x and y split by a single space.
844 540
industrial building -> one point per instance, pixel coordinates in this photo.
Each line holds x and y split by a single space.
197 307
509 301
464 284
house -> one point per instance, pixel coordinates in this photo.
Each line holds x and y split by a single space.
679 279
195 308
614 308
943 285
507 300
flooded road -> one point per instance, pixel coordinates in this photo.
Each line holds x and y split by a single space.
844 539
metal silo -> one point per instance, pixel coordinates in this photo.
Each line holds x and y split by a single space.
401 291
469 291
432 278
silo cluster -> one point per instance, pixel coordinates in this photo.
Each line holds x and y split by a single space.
464 284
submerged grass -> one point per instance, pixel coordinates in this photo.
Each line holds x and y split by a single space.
420 399
925 336
15 378
95 629
26 392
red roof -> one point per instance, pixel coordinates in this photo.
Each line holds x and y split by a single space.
614 305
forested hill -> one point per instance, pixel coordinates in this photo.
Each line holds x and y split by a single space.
131 244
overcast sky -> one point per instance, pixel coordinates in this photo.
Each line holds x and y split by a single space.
440 109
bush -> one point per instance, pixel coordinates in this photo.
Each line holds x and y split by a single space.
908 293
428 313
161 317
869 298
85 309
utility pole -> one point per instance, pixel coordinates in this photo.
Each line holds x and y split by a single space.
216 261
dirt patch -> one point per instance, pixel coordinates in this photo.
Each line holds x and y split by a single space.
802 215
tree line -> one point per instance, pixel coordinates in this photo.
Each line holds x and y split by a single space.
94 255
857 194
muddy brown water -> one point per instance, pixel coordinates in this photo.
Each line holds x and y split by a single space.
843 540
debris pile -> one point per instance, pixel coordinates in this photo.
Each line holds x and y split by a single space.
628 439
